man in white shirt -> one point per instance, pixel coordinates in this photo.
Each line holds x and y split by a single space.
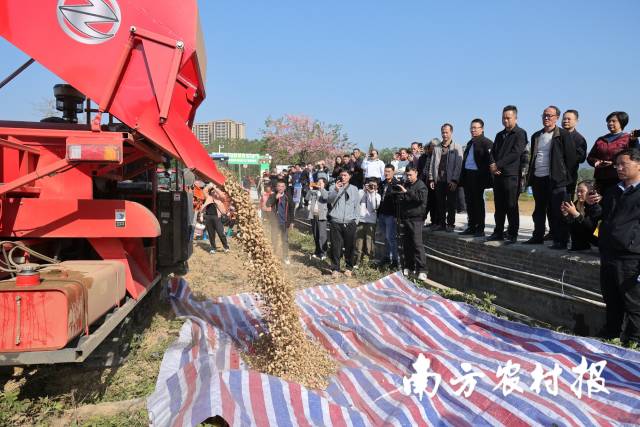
366 229
373 167
553 158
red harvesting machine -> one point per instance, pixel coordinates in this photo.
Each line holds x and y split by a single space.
85 231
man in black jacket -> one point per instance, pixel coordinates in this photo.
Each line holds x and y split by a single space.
553 158
413 202
507 150
475 177
619 244
569 123
283 209
387 217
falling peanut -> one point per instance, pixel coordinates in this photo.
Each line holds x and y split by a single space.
285 351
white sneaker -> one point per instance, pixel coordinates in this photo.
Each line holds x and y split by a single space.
287 261
314 256
405 271
322 258
422 276
212 251
356 267
226 250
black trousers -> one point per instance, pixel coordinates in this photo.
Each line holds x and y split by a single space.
213 224
319 228
549 199
474 196
446 203
432 206
412 246
621 294
581 237
505 196
342 235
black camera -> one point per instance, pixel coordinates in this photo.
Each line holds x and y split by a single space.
636 133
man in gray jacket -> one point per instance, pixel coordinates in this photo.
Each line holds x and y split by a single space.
444 174
317 198
345 204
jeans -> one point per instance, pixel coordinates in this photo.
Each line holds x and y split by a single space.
387 225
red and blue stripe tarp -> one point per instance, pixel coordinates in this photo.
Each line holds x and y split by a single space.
376 332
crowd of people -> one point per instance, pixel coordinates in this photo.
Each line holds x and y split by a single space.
361 195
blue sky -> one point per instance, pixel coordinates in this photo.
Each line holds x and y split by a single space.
393 72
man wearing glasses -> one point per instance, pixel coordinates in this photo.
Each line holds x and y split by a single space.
475 177
553 158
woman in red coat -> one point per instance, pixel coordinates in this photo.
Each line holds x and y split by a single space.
604 151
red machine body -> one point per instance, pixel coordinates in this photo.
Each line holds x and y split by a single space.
62 184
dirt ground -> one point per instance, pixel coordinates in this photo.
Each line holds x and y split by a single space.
93 395
526 206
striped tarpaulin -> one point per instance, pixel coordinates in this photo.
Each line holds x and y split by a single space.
376 332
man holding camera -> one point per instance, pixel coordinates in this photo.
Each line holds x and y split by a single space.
412 200
345 201
367 219
387 217
373 167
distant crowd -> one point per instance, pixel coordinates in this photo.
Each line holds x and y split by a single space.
356 195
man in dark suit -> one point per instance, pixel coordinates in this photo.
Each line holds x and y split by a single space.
475 177
569 123
551 167
507 150
620 250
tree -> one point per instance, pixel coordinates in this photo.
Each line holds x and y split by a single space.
301 139
257 146
386 154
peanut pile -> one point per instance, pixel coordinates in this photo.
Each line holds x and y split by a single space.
285 351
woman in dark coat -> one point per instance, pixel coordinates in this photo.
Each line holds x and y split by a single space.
605 149
582 217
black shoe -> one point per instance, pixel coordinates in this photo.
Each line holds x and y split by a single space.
510 240
449 228
534 241
479 234
548 237
468 232
495 238
558 246
437 228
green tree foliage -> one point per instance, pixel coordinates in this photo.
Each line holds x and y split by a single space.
386 154
585 173
256 146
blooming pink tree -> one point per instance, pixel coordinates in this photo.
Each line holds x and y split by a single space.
300 139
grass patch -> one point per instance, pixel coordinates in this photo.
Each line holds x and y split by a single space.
137 418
